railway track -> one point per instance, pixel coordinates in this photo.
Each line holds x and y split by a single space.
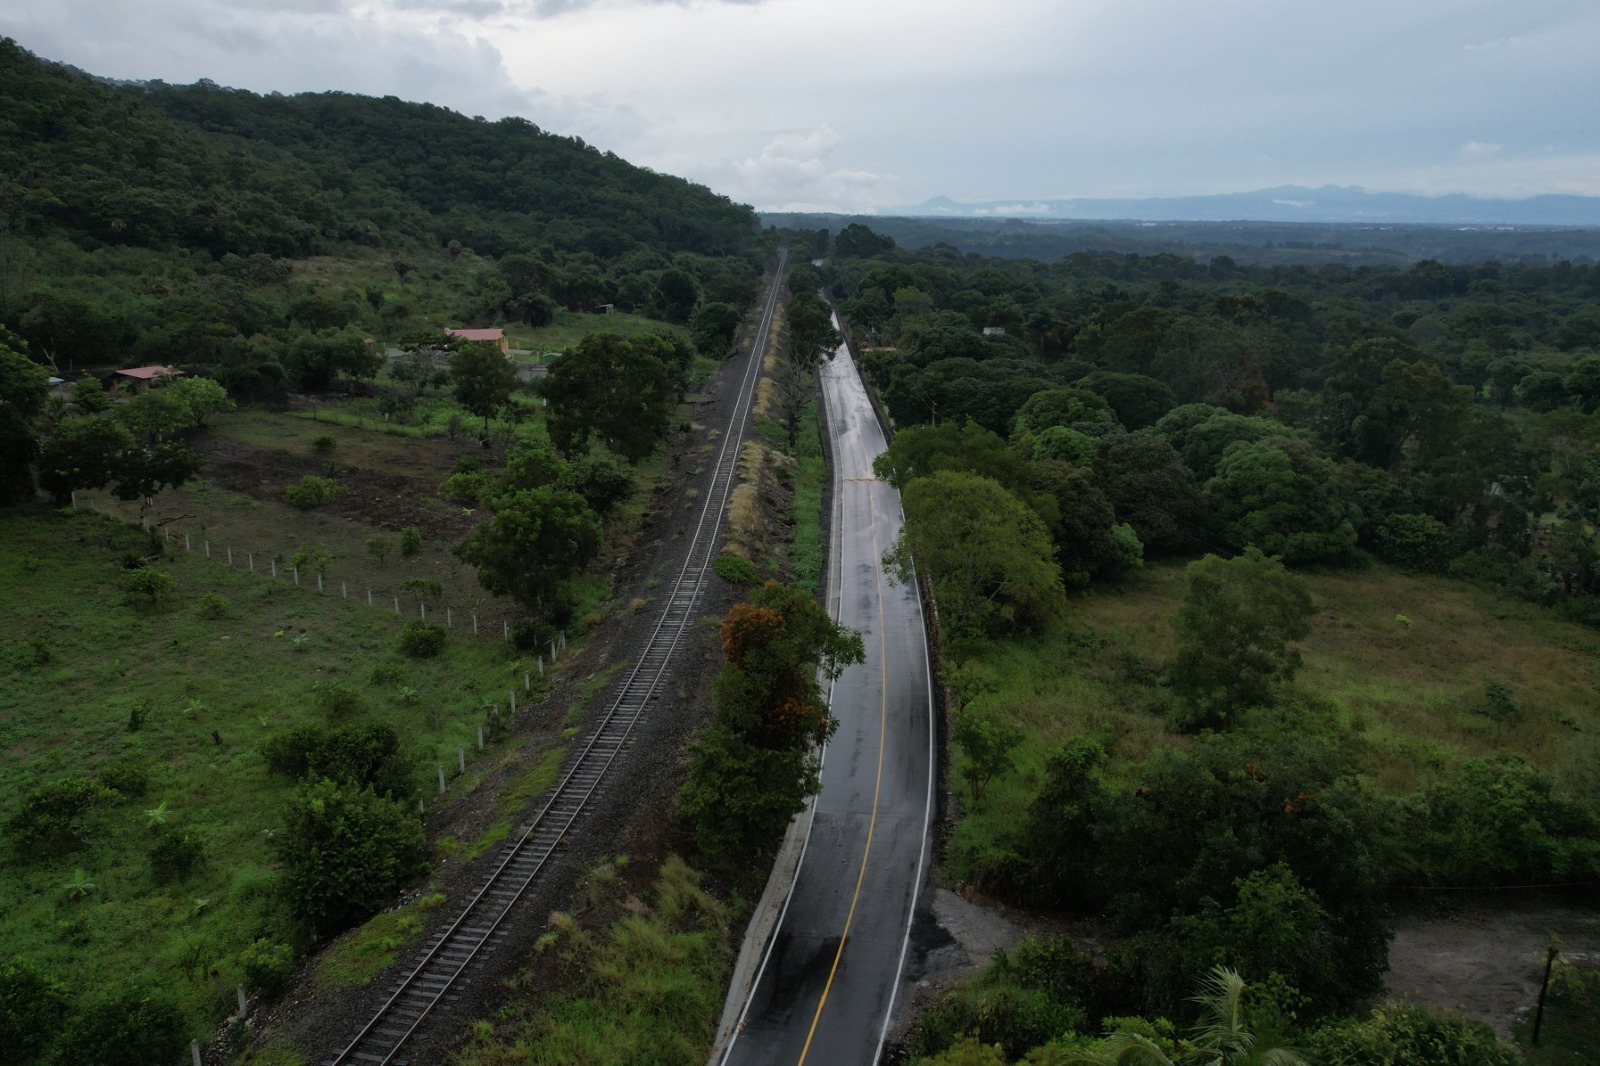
448 955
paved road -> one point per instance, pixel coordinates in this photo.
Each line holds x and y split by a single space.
827 987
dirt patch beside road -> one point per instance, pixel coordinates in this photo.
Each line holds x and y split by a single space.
1485 963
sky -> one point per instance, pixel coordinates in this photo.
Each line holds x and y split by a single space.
866 105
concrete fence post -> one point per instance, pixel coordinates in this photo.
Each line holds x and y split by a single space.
461 757
296 570
208 549
251 556
230 555
186 542
480 736
397 605
441 778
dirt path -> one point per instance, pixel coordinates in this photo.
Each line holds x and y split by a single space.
1485 963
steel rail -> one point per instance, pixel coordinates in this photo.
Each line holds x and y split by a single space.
453 950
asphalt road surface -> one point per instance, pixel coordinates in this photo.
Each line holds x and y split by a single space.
827 987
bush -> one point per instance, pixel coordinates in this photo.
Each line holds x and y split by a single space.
410 540
174 855
530 634
1411 1036
426 589
422 640
267 966
132 1027
312 491
386 673
324 445
57 814
32 1008
336 699
345 853
1019 1001
737 569
149 582
365 756
125 777
1415 542
214 605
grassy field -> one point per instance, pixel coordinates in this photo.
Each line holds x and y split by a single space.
1395 663
570 327
212 680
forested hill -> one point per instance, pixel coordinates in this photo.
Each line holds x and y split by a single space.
226 170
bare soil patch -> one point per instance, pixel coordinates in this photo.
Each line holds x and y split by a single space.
1485 962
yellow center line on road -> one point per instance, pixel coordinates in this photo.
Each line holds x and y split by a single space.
883 739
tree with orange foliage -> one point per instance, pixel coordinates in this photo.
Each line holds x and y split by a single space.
756 763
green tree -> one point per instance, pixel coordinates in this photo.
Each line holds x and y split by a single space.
1151 490
380 546
84 454
1279 495
345 853
712 328
132 1026
537 539
32 1008
149 582
617 390
988 556
1236 632
986 745
484 380
201 398
755 764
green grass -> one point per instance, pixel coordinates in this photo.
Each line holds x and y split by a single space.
486 840
1401 695
534 781
647 989
571 327
1570 1032
241 678
363 954
810 523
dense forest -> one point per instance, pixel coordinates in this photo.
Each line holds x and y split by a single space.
1263 243
1061 425
148 223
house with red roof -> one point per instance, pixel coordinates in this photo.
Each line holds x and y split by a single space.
142 377
496 337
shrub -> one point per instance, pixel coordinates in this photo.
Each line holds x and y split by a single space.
422 640
1411 1036
365 756
324 445
312 492
1416 542
290 753
336 699
267 966
125 777
130 1027
32 1008
214 605
424 588
380 546
530 634
345 853
386 673
149 582
410 540
174 855
737 569
57 814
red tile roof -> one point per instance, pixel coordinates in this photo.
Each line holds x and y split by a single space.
148 373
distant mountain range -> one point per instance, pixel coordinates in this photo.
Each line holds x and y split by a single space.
1287 203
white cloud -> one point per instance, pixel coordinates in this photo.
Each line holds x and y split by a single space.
1480 150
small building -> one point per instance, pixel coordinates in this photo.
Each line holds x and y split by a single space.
994 331
496 337
142 377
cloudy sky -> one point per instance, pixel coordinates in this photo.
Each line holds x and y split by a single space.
863 104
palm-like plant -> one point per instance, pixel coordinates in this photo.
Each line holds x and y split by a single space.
156 817
80 885
1222 1038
